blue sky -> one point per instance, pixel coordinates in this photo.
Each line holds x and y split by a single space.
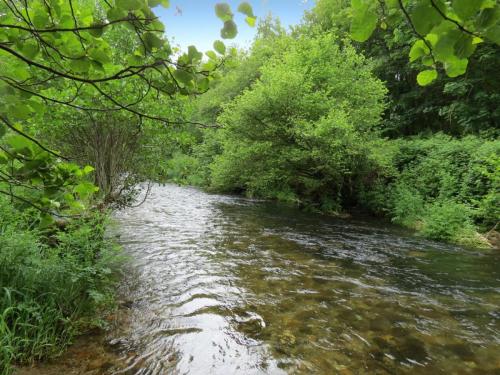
193 22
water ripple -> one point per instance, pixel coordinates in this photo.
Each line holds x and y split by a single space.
227 285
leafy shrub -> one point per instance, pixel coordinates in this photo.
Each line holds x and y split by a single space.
309 146
447 187
446 220
407 206
182 168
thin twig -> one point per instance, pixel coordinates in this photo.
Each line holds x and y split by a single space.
461 27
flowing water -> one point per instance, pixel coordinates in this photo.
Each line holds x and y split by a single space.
227 285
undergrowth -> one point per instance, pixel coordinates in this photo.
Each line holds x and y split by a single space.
54 284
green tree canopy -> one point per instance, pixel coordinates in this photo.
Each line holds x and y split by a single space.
90 57
300 129
447 32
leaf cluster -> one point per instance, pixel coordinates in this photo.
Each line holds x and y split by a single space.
446 33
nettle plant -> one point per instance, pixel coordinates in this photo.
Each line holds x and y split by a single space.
446 32
88 56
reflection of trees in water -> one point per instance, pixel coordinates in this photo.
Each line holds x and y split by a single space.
309 298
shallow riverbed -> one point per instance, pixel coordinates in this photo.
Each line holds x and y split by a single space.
226 285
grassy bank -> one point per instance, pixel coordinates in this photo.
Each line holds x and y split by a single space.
54 284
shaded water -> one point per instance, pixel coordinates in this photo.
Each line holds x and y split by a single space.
226 285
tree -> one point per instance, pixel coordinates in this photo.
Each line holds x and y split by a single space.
67 53
299 132
447 33
457 106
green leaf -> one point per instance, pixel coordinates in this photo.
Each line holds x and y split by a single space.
134 60
129 4
21 73
466 8
211 55
66 21
194 55
163 3
250 21
37 106
449 35
183 77
116 14
87 169
80 65
152 41
203 84
223 11
84 189
425 17
364 19
418 49
246 9
455 67
464 48
426 77
209 65
488 17
427 61
20 110
99 55
97 32
40 20
229 31
493 34
220 47
158 26
20 144
30 49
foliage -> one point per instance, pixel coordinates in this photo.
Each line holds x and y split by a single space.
51 284
182 169
457 106
49 183
275 143
443 186
88 57
448 221
408 206
241 70
85 78
445 32
322 147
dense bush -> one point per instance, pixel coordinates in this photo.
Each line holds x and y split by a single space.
449 221
442 185
52 285
307 146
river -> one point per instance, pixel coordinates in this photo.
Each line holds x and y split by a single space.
227 285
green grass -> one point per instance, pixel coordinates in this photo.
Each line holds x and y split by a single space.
52 285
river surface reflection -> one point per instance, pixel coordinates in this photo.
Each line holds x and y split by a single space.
227 285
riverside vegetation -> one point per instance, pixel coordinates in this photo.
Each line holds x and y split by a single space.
88 89
315 119
388 107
